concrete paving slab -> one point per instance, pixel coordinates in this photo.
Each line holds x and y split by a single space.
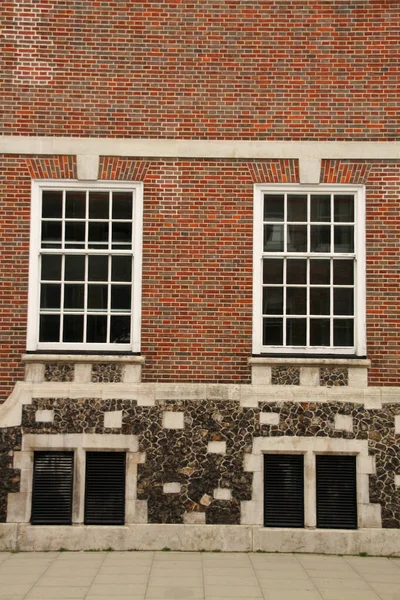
225 591
174 593
292 595
117 589
349 595
42 593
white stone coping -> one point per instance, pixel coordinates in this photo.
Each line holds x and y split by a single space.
309 362
82 358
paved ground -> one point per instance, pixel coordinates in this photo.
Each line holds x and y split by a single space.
208 575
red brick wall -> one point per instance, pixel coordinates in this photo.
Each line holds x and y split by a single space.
252 69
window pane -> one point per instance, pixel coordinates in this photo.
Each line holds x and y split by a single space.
51 267
98 232
296 332
274 207
343 332
75 205
98 268
273 332
320 208
122 232
50 295
343 272
273 301
296 271
344 209
121 268
120 330
120 297
122 205
320 238
297 207
97 297
51 231
297 238
73 296
51 204
343 303
319 332
296 301
74 231
49 328
99 205
273 238
96 329
344 238
73 328
74 268
320 301
320 272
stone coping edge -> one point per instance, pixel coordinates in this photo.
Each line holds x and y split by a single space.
194 538
82 358
309 362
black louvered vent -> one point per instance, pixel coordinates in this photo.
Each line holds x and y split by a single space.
336 492
283 490
105 488
53 475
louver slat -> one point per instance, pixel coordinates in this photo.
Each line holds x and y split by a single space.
283 490
105 488
336 492
52 488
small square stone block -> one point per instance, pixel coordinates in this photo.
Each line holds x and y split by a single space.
269 418
344 422
397 480
222 494
173 420
44 416
216 448
172 488
113 419
397 424
194 518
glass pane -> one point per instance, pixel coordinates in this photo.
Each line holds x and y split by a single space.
343 209
97 297
297 238
296 271
343 301
50 295
121 268
96 330
273 238
74 232
320 272
344 238
122 205
295 301
320 238
273 301
75 205
274 207
319 332
122 232
73 328
98 232
49 328
51 266
320 301
320 208
73 296
120 330
296 332
343 332
272 332
51 204
343 272
99 205
98 268
297 207
120 297
74 268
51 231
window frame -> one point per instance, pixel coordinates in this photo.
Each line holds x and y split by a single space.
33 343
359 348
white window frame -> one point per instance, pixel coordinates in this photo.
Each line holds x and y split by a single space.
33 343
359 348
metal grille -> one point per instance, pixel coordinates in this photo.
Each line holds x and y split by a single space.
105 488
336 492
53 474
283 490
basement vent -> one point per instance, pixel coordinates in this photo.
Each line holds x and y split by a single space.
105 488
336 492
53 474
283 490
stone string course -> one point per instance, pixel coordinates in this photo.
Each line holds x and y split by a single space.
180 455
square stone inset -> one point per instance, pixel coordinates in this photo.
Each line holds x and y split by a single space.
194 518
172 488
269 418
216 447
44 416
113 419
173 420
397 480
222 494
397 424
344 423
